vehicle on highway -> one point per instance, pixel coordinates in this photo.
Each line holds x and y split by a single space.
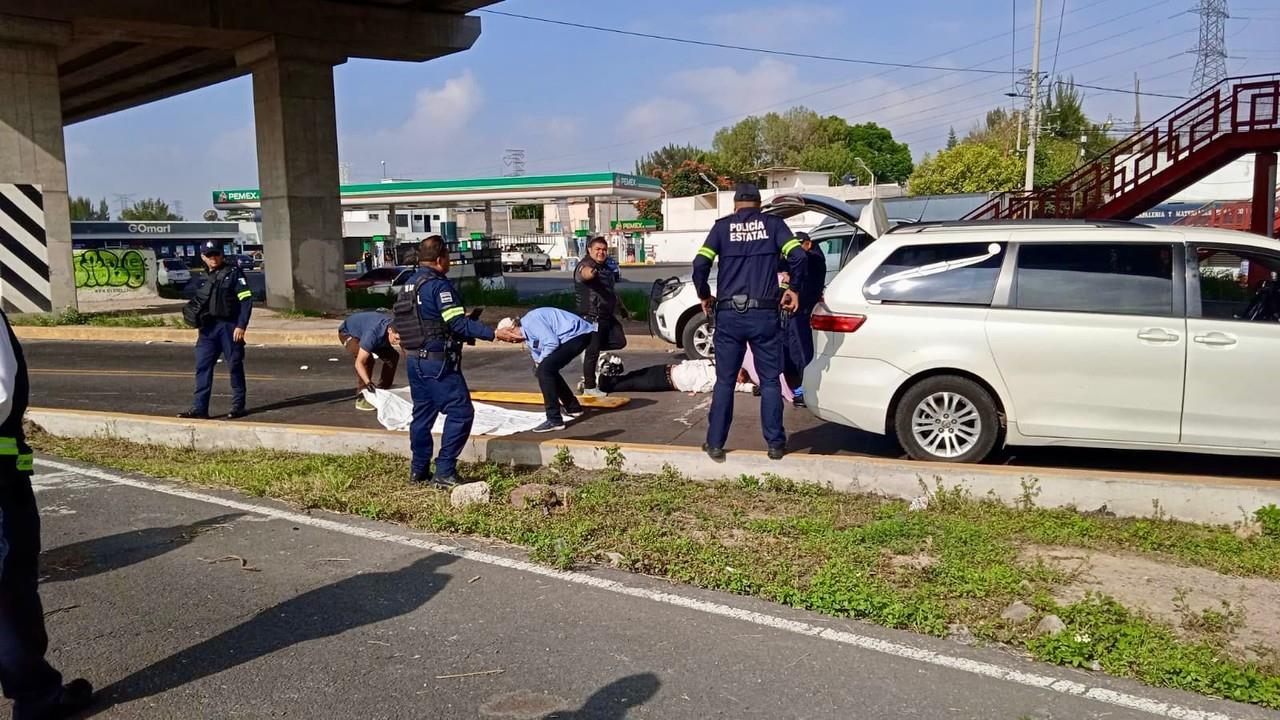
960 338
173 272
396 285
675 314
377 280
526 257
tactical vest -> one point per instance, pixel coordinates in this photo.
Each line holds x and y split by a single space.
595 297
222 300
415 330
13 446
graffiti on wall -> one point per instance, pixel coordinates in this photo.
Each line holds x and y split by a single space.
114 274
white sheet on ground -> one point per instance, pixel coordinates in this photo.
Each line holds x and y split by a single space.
395 412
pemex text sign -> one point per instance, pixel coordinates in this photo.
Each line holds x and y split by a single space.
223 197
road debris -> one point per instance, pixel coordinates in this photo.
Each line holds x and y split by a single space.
473 579
55 611
471 674
244 564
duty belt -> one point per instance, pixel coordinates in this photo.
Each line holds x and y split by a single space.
9 449
436 355
742 303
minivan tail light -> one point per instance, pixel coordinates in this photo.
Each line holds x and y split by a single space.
830 322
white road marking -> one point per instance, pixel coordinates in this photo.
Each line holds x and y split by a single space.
900 650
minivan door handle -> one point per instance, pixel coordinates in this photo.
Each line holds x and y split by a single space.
1157 335
1215 338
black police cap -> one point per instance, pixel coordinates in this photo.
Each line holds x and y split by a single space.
746 192
211 247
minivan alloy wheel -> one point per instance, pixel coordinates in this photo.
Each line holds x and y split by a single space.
946 424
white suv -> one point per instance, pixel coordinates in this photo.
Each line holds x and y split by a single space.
958 337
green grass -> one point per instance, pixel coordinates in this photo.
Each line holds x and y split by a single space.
854 556
71 316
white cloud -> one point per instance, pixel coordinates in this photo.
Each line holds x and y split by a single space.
656 116
447 108
731 90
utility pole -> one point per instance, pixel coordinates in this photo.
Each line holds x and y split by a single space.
1033 112
124 200
1137 103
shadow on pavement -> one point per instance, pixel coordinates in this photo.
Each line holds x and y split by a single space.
615 700
324 612
113 552
328 396
832 439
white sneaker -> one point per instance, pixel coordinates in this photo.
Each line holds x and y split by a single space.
595 392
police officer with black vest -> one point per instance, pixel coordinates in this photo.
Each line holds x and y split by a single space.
748 310
594 284
27 678
220 310
433 327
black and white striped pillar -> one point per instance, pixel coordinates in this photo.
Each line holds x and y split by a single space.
24 250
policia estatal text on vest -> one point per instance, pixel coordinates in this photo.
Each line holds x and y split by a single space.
433 327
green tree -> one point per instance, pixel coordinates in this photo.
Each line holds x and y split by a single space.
888 159
966 168
667 158
149 209
1063 117
82 209
952 140
739 149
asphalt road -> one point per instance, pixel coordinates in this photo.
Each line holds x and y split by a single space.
156 380
215 605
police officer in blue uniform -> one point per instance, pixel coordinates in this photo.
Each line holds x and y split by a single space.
28 680
799 331
224 303
433 326
748 310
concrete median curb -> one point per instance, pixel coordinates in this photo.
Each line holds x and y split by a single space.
277 338
1194 499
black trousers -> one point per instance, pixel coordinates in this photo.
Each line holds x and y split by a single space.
608 336
655 378
27 678
555 391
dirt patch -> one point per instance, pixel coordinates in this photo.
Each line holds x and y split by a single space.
1195 601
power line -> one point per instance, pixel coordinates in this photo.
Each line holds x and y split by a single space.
1058 45
743 48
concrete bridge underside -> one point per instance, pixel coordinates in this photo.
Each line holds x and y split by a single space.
66 61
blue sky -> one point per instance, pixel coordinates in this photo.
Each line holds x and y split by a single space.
579 101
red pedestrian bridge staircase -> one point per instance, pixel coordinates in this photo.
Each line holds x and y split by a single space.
1239 116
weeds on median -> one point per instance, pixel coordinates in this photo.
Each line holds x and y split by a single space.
71 316
958 562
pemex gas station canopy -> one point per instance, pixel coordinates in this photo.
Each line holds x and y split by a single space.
447 193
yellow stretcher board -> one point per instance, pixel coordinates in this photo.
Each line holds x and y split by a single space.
534 398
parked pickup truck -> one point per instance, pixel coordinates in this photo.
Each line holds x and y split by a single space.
525 257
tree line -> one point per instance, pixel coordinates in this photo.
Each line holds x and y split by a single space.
82 208
990 157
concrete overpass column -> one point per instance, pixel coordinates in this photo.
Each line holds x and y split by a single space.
35 219
1262 218
297 137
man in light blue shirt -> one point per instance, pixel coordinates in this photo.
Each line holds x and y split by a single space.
554 338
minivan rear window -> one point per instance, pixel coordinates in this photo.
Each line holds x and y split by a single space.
1126 279
948 274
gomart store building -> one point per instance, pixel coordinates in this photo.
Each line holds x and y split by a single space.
168 239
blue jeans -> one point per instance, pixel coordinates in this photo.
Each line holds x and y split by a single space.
438 388
214 340
734 331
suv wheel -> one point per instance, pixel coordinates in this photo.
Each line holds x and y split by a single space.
547 266
698 338
528 266
947 418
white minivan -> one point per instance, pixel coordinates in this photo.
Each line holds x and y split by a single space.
960 337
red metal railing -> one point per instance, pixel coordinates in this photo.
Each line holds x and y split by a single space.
1184 145
1228 215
